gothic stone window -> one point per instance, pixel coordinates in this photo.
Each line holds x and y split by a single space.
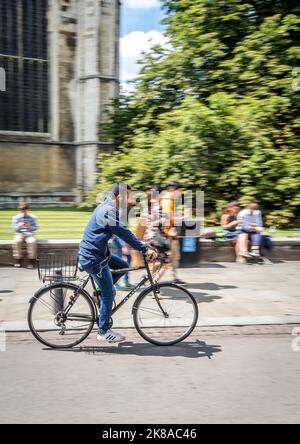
23 56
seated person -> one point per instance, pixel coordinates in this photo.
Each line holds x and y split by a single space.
251 224
24 225
230 223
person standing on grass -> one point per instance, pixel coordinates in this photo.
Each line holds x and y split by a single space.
95 258
24 225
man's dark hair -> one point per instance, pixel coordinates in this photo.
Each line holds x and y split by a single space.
119 188
23 207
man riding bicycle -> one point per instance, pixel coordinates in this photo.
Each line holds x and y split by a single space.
95 258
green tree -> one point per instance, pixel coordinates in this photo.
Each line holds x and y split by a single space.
216 108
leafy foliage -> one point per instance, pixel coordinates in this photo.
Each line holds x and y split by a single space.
216 108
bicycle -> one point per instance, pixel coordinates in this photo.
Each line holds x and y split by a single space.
63 313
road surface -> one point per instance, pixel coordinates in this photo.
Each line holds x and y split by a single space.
212 378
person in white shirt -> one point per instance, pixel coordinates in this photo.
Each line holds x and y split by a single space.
251 224
24 225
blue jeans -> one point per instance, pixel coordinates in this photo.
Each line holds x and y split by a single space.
254 237
105 281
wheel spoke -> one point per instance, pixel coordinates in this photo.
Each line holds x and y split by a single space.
50 307
178 320
151 310
56 328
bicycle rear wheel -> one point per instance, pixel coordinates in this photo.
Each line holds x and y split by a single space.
61 315
165 314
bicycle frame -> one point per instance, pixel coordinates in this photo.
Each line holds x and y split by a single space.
149 278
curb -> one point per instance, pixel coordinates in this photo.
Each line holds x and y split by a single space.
257 323
198 334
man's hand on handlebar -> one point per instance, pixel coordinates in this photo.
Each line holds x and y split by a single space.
151 254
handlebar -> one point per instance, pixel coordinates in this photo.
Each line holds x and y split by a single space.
154 250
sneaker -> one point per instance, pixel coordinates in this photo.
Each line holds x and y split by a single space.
120 287
110 336
17 264
178 281
254 253
245 254
128 286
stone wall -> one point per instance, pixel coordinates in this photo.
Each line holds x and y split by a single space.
67 47
60 167
285 249
37 170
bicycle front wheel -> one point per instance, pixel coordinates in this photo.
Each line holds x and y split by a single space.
61 315
165 314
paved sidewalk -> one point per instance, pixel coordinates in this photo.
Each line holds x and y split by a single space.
228 294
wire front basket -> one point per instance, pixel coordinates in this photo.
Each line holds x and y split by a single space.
57 267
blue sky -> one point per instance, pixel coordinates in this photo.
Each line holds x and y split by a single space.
141 27
140 19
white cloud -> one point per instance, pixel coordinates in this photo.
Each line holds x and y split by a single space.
132 46
142 4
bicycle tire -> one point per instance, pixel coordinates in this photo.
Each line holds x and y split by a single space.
160 286
67 286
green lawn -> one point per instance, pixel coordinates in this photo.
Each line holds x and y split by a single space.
65 223
289 232
53 223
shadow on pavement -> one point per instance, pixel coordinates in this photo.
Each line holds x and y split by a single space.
210 265
272 262
208 286
196 349
204 297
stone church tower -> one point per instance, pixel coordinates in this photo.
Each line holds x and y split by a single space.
61 65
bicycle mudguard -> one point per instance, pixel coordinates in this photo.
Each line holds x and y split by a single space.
57 285
42 289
